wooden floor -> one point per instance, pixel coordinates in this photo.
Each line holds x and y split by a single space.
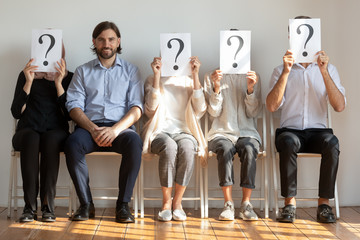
103 227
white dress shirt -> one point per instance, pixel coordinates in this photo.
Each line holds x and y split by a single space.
304 104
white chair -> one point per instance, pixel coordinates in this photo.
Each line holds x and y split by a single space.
275 160
198 189
15 187
263 189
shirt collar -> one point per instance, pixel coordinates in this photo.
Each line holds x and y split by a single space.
310 66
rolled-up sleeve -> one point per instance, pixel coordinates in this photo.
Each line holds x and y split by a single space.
336 79
76 95
136 91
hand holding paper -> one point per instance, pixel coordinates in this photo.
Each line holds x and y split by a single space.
288 60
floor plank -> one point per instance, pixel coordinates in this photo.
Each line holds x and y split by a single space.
104 227
108 228
255 229
168 230
143 228
84 230
225 229
340 229
197 228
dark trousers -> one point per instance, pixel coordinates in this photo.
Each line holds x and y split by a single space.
247 148
289 142
30 143
128 144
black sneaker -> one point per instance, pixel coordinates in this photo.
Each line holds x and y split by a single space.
325 214
287 214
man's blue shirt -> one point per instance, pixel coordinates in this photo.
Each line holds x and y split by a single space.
105 95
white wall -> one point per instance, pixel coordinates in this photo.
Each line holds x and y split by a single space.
141 22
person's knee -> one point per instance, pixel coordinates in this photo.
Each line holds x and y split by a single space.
250 151
53 140
331 143
72 144
26 139
287 142
168 148
186 146
226 154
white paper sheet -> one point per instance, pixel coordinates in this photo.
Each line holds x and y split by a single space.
305 39
46 48
235 51
175 50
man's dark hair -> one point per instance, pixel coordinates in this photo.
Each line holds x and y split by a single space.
105 26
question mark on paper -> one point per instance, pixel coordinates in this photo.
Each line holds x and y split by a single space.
52 43
181 48
311 32
241 44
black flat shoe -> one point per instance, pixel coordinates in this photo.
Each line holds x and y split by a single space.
123 214
47 215
287 214
28 215
84 212
325 214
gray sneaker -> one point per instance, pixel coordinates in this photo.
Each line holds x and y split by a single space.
247 212
165 215
228 213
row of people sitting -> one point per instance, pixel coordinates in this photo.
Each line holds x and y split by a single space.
106 97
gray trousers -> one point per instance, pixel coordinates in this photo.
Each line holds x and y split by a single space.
177 154
247 149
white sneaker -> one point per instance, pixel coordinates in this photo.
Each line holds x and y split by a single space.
165 215
247 211
179 215
228 213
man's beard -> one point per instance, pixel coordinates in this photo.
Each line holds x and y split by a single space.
106 55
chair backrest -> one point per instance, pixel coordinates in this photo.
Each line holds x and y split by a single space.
261 117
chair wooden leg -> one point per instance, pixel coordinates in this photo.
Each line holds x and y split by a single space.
197 175
15 186
141 187
11 184
136 199
266 187
336 200
202 208
275 184
206 193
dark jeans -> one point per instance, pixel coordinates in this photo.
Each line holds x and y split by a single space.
30 143
128 144
289 142
247 148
